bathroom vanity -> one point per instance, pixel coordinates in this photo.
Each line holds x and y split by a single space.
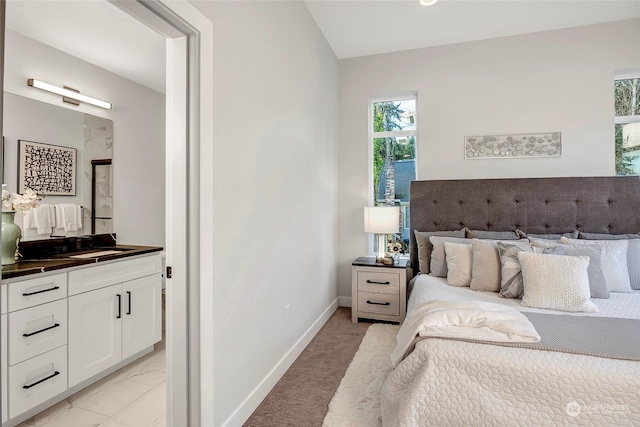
72 318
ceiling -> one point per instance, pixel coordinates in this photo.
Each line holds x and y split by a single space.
95 31
358 28
100 33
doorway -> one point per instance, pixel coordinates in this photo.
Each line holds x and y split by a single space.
188 144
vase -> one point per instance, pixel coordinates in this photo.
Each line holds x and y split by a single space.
11 235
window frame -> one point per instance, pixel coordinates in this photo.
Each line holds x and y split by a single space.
389 134
624 120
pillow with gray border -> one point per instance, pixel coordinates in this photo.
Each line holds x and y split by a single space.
438 265
633 253
425 246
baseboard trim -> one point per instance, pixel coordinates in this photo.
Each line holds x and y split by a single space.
246 408
344 301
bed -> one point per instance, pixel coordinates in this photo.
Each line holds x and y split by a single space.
444 381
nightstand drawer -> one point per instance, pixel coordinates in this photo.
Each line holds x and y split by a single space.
386 283
377 303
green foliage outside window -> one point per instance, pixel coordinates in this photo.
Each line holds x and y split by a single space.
627 103
387 116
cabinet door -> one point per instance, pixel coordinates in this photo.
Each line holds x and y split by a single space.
141 313
3 360
95 332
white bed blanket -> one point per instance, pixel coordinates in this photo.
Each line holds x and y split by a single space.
455 383
483 321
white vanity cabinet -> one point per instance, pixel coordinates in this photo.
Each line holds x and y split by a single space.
111 324
62 331
4 354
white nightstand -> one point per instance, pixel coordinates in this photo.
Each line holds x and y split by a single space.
378 291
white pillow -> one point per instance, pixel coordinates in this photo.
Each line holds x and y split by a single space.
614 261
459 263
556 282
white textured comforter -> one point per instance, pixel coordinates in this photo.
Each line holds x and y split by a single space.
445 382
483 321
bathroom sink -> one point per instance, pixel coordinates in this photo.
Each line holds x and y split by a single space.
96 254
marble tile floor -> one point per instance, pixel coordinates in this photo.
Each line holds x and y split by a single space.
133 396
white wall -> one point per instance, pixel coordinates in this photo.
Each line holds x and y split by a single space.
275 192
138 117
555 81
26 119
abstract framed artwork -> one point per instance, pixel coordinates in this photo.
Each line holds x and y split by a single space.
46 169
513 146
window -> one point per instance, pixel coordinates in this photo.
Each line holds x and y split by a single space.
392 139
627 124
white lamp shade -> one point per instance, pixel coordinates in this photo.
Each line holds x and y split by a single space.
382 219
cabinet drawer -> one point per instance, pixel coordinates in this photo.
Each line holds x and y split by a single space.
50 367
89 279
45 326
28 293
386 283
3 299
377 303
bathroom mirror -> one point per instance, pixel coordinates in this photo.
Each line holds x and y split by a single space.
92 137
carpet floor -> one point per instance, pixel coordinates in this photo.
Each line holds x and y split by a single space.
302 395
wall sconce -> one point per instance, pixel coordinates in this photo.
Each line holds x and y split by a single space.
69 95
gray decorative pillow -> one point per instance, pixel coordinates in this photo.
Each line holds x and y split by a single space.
496 235
438 256
552 236
511 283
633 253
425 247
597 281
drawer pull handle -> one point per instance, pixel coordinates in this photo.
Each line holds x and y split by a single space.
378 303
28 294
378 283
119 316
56 373
41 330
129 297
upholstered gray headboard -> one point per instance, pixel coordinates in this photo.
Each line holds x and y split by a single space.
534 205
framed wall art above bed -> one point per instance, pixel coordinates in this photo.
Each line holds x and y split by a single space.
46 169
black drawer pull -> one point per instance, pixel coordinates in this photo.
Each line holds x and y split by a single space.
378 303
119 316
56 373
378 283
41 330
28 294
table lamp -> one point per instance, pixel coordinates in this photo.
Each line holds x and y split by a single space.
381 220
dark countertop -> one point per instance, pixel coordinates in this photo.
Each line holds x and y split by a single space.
371 262
57 262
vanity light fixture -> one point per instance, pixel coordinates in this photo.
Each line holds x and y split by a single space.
428 2
68 95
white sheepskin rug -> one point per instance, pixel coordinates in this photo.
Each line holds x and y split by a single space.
357 400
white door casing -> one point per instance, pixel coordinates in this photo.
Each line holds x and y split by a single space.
189 146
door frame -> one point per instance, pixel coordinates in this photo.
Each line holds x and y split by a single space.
189 174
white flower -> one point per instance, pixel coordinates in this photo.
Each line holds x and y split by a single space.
22 203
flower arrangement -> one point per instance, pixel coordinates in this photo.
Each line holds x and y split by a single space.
22 203
395 247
